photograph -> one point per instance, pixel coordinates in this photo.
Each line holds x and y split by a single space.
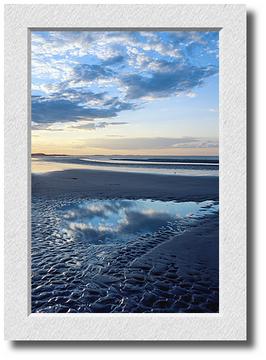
124 171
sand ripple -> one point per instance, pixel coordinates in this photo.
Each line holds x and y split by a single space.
152 273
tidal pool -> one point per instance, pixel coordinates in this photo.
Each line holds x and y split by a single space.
119 221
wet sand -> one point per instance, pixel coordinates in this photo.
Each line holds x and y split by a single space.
175 269
106 184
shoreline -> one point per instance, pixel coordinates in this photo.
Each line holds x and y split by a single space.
112 184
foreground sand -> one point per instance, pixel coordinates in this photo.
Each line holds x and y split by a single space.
167 271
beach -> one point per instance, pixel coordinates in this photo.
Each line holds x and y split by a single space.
104 184
172 266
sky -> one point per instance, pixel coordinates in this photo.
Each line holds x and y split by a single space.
125 92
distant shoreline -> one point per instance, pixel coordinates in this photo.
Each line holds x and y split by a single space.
129 155
43 154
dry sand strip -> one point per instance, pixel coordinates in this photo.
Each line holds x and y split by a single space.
107 184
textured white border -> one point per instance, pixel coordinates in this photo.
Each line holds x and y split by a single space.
230 323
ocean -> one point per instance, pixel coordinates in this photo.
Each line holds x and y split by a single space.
169 165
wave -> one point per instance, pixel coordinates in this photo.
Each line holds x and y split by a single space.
153 162
172 160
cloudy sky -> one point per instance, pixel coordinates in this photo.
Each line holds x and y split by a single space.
124 92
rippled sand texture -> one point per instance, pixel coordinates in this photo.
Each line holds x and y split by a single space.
174 269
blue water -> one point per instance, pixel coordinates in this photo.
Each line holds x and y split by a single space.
119 221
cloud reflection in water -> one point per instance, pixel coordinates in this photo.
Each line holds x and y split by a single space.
119 221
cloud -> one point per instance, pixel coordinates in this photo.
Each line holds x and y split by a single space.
85 72
152 143
88 75
170 79
94 126
45 127
52 110
115 60
97 221
149 222
115 136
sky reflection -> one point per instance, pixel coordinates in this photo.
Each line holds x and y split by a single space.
119 221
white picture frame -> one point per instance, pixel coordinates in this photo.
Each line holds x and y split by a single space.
230 322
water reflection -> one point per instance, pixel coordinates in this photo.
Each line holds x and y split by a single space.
46 164
118 221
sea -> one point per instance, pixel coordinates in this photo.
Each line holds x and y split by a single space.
168 165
